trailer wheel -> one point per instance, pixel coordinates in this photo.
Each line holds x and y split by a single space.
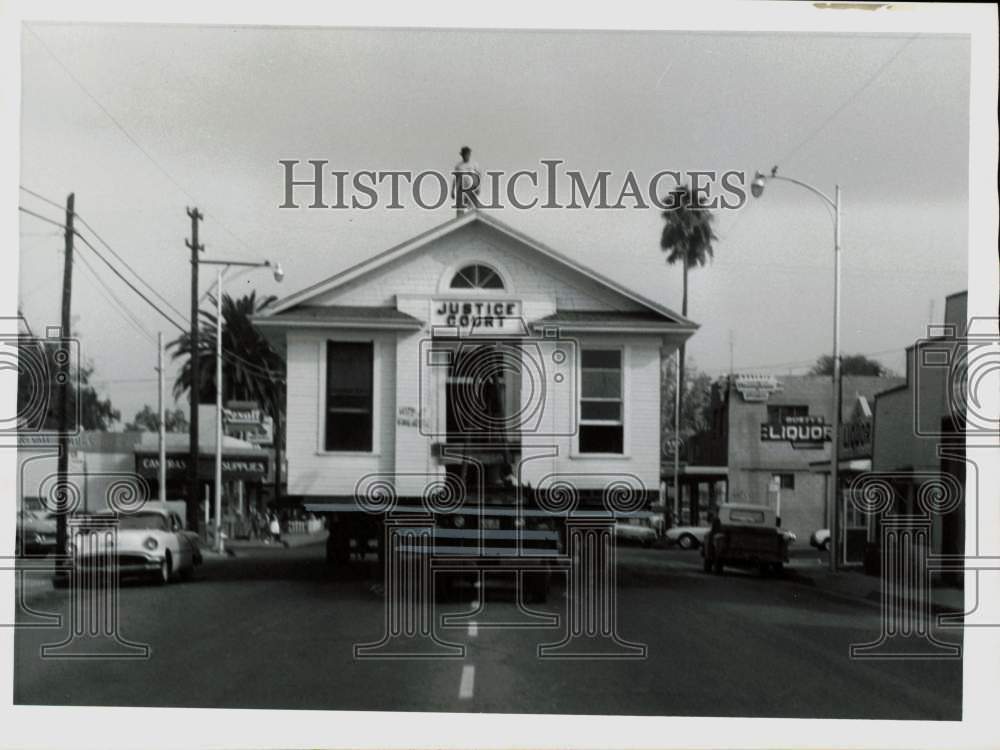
338 546
536 587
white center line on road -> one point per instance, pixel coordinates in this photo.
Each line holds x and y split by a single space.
468 682
473 629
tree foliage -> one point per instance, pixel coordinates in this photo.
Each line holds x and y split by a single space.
148 420
251 370
850 364
41 366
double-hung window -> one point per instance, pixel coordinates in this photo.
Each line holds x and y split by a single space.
602 428
349 396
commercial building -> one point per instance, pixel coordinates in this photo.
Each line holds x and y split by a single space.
768 441
472 344
919 437
102 463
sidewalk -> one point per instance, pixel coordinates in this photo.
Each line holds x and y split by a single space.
854 585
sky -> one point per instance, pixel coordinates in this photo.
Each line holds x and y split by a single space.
142 121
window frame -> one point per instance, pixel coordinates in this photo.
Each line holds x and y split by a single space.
779 475
323 387
622 400
778 408
477 287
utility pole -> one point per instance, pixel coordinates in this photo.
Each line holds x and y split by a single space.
193 489
218 413
163 422
64 381
730 352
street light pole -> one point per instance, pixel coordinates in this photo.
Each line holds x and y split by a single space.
279 274
835 447
833 511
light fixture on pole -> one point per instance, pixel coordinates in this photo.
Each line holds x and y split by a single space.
279 274
756 190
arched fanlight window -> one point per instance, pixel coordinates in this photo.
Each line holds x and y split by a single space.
477 276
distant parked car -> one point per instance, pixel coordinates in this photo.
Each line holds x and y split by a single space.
687 537
150 543
820 539
635 533
745 536
35 534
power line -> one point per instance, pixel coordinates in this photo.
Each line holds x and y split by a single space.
847 102
119 305
128 135
803 362
42 218
117 255
128 283
132 270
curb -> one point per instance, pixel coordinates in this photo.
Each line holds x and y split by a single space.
873 597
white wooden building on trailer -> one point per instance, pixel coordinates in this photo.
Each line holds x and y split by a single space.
472 342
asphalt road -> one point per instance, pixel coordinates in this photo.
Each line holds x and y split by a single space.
276 629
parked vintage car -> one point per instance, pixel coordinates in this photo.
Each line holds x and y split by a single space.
687 537
635 533
820 539
745 536
36 533
150 543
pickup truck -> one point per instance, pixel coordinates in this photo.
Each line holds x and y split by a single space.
745 536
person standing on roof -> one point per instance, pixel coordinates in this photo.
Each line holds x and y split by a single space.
466 181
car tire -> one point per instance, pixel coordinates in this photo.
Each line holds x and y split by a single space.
687 541
165 572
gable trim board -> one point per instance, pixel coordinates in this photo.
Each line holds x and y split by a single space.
300 299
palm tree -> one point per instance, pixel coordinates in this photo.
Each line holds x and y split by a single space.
687 239
251 369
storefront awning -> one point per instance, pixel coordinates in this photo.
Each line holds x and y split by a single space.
853 464
696 471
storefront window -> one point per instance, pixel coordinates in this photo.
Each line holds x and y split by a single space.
776 415
787 481
349 396
601 425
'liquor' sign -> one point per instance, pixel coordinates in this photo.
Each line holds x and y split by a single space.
801 432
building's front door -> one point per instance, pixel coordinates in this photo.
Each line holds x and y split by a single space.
482 396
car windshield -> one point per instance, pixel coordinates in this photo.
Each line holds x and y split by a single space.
746 516
142 521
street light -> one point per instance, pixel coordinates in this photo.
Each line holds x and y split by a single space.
279 274
757 189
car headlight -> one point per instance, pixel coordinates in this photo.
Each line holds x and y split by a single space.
150 543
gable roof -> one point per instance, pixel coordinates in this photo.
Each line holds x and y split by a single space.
422 240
